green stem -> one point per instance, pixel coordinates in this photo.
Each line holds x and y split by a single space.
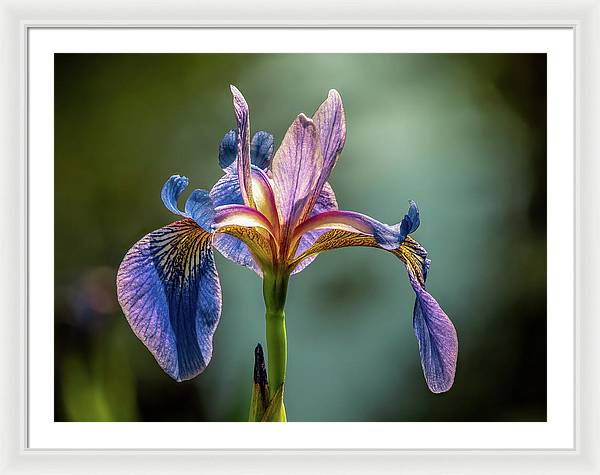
275 291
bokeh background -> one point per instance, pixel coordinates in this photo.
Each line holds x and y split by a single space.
463 135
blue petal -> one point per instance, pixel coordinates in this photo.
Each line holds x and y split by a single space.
226 192
228 150
261 150
438 343
411 220
171 191
170 292
200 208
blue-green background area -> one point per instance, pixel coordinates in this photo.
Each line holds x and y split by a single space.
463 135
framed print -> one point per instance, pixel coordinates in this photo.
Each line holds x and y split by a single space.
204 246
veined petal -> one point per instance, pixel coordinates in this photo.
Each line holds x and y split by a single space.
251 227
387 237
295 169
241 215
242 117
438 343
198 206
228 149
326 202
169 290
226 192
261 150
330 121
172 190
436 335
257 243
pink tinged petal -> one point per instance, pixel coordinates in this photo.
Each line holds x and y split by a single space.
236 251
169 290
330 122
436 335
240 215
242 117
295 169
326 202
388 237
264 196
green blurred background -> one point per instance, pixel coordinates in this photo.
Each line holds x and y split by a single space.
463 135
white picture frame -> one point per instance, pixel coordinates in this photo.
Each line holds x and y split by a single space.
18 18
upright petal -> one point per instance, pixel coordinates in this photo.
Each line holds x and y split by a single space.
330 121
295 170
228 149
170 292
436 335
261 150
242 117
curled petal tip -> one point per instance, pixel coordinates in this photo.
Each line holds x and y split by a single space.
305 121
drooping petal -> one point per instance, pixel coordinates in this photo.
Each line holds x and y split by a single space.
295 169
242 117
169 290
436 335
330 121
326 202
261 150
438 343
199 205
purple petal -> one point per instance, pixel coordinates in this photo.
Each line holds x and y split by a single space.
242 117
326 202
295 169
330 121
170 292
438 343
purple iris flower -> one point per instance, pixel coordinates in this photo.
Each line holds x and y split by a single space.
272 213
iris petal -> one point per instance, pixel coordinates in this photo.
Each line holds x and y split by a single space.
438 343
295 170
198 206
330 122
227 192
172 190
388 237
228 152
326 202
261 150
170 292
242 117
436 335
